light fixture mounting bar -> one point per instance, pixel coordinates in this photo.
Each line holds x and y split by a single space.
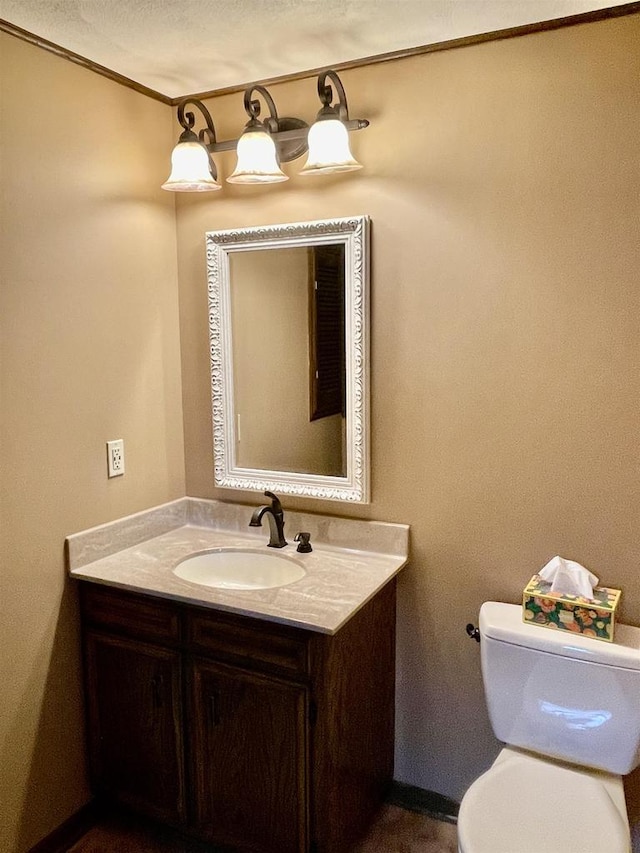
288 135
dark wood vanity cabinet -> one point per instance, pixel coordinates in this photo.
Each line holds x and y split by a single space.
253 735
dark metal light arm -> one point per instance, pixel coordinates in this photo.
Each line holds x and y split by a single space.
325 93
289 134
188 120
252 109
341 109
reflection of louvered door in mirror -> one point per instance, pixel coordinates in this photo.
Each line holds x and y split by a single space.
326 331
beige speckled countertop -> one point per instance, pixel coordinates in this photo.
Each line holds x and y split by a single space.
351 560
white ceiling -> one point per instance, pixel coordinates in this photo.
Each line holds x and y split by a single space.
180 47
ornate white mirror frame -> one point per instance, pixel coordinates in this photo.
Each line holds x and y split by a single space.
353 233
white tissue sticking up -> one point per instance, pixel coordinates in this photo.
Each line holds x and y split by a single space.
568 578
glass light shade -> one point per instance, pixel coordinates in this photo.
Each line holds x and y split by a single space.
190 170
329 149
257 160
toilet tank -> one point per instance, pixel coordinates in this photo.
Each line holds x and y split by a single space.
559 694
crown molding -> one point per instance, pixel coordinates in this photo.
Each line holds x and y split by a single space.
393 56
43 43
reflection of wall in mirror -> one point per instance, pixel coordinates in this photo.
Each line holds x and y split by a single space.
269 315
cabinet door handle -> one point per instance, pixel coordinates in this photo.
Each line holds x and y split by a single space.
214 708
157 692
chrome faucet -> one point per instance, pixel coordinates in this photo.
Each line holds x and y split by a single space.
276 521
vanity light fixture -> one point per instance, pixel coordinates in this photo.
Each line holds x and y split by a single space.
258 161
328 139
192 167
265 144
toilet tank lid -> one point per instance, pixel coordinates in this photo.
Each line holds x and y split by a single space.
504 622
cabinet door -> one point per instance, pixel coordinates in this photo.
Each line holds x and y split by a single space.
135 731
248 738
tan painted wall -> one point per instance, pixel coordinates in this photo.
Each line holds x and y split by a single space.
89 352
503 183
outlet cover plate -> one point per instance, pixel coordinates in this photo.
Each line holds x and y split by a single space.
115 458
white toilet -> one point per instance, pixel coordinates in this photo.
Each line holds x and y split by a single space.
568 707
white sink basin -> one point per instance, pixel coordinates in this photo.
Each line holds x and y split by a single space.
240 568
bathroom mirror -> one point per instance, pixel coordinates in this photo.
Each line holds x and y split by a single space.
289 341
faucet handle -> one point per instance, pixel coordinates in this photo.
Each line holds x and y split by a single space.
304 546
275 501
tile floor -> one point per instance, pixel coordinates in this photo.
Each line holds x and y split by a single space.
396 831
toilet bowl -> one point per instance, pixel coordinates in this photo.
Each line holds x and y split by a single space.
528 804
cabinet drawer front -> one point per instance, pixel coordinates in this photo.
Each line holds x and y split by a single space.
237 639
129 613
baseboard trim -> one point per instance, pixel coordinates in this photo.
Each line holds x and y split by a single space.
400 794
69 832
425 802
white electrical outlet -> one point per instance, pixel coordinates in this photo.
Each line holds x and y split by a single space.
115 458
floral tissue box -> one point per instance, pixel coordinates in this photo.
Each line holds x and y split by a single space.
592 617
